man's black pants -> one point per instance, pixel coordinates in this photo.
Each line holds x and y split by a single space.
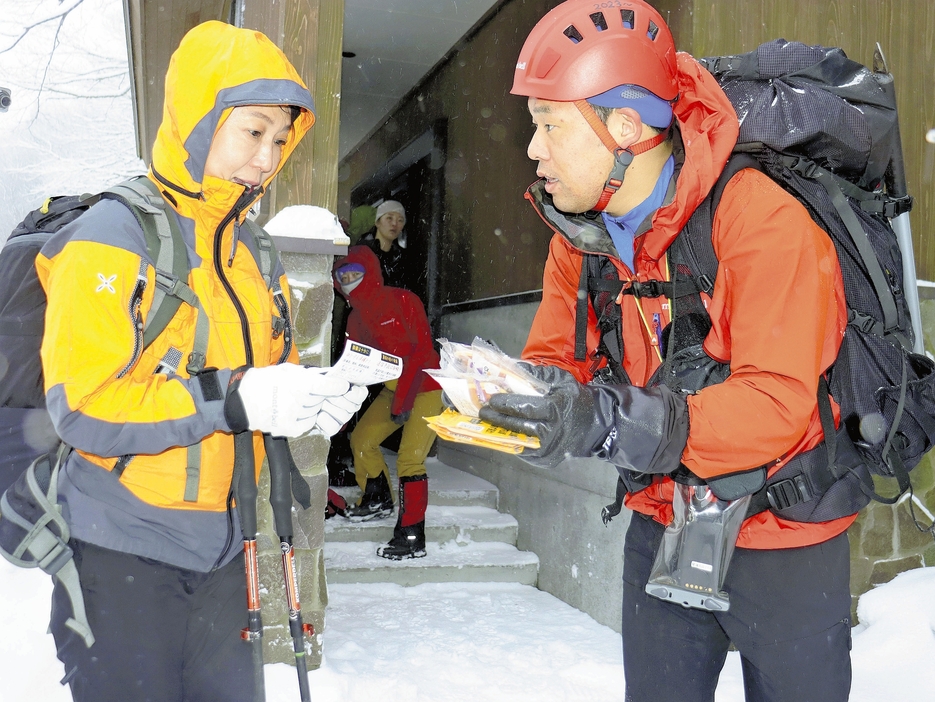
789 618
163 634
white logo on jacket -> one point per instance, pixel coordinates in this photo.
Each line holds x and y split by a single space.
106 283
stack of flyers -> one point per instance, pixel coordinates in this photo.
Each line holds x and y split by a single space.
453 426
470 375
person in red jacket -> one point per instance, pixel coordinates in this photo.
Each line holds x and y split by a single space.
630 137
392 320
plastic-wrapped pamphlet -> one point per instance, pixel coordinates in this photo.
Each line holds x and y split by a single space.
696 549
469 375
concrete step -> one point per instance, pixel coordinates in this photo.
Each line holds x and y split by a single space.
442 523
447 486
357 562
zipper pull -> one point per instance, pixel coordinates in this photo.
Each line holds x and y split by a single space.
234 240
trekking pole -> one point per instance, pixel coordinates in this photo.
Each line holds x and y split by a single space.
246 492
895 181
280 499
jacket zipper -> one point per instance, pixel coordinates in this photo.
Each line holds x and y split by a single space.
247 197
136 299
283 308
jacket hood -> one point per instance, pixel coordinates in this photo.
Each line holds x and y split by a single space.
709 128
707 132
372 282
218 67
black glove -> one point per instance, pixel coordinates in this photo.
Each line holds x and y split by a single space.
401 418
545 373
643 430
447 403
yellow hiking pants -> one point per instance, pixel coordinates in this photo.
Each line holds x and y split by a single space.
376 425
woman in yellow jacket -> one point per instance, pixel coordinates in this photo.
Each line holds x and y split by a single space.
147 490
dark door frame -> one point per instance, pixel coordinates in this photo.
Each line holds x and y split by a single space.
432 145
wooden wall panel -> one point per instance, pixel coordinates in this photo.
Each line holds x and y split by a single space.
492 243
155 30
309 31
905 30
321 179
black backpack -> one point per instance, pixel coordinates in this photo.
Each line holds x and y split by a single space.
843 162
33 532
26 430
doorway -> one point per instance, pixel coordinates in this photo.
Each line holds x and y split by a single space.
414 176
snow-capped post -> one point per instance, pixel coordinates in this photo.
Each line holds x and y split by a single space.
308 239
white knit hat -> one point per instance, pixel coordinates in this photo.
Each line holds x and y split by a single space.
391 206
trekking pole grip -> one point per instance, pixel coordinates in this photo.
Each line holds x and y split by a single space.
280 485
280 498
245 490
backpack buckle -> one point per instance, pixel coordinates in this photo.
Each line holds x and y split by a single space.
649 288
896 206
705 284
788 493
196 363
803 166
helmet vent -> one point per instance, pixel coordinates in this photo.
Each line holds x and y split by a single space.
599 22
628 17
653 30
572 33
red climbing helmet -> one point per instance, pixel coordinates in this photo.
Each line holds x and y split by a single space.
583 48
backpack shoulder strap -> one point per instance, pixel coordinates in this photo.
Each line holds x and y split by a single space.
167 248
265 249
695 242
268 258
165 245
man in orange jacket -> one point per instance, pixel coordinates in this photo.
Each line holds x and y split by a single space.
629 138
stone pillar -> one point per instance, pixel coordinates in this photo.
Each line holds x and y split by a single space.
308 266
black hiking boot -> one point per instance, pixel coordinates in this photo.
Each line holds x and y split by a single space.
375 503
407 542
409 535
341 475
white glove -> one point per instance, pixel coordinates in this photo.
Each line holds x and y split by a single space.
285 399
335 411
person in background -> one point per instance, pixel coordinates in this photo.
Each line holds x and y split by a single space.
391 320
629 137
362 220
147 488
385 240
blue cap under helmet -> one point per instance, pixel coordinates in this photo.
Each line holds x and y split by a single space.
654 111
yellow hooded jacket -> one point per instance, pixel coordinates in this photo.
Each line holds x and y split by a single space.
103 394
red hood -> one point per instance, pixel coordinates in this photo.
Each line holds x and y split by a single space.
372 282
709 128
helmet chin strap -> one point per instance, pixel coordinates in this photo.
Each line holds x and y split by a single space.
622 157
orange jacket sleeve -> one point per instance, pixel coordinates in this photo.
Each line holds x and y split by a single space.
778 314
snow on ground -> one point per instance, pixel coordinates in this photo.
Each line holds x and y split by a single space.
483 642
